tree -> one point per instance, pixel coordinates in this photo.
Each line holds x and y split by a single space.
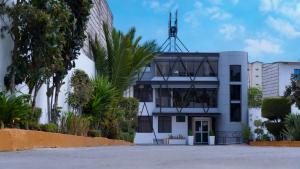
275 110
122 58
292 125
36 28
254 97
292 92
81 91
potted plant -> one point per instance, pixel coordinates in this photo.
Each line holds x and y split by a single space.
190 138
212 137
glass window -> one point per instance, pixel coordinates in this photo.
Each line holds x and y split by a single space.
144 124
162 68
143 93
235 112
180 118
235 92
297 74
164 124
235 73
163 97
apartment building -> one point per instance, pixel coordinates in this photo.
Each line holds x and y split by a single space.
100 13
255 74
198 92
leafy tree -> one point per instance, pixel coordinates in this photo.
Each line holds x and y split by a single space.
275 110
81 91
36 27
254 97
122 58
292 125
292 91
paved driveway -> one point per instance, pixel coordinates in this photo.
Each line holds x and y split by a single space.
154 157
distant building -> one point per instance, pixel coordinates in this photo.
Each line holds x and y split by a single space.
100 13
255 74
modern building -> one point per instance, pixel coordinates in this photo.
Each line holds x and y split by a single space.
255 74
198 92
100 13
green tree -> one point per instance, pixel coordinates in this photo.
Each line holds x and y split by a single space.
254 97
275 110
81 91
292 125
122 58
292 92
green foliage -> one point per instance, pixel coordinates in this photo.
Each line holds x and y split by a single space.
94 133
82 91
292 92
276 108
14 110
124 57
211 133
275 128
254 97
127 136
265 137
292 127
128 109
259 129
109 125
76 125
50 127
190 133
246 132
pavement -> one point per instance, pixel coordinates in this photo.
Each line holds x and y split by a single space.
154 157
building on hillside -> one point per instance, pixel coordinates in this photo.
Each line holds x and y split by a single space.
255 74
198 92
100 13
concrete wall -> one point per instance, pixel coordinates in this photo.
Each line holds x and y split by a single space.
255 74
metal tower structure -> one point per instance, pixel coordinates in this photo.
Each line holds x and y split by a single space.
173 42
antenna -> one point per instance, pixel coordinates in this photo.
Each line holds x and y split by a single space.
171 44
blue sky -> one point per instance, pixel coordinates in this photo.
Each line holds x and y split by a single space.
268 29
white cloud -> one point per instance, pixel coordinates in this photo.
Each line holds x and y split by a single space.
217 13
220 2
192 16
261 47
157 6
269 5
230 30
285 28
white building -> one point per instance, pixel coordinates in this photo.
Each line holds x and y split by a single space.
100 13
255 74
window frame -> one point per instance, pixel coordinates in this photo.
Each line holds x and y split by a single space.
163 126
146 120
231 113
142 97
230 75
179 120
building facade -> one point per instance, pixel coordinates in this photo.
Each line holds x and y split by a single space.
255 74
196 92
100 13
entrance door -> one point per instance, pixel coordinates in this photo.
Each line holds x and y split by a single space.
201 129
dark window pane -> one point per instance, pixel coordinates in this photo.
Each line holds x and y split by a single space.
162 68
164 124
235 73
235 92
143 93
235 112
180 118
163 97
144 124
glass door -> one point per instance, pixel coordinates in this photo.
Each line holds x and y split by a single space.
201 132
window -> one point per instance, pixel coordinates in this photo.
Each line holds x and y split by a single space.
164 124
180 118
297 74
235 73
235 112
235 92
143 93
144 124
163 97
257 76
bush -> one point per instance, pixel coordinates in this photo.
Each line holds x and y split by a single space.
275 128
127 136
50 127
14 110
292 124
276 108
94 133
246 132
76 125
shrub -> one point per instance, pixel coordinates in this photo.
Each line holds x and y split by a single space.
14 110
76 125
246 132
127 136
292 125
275 110
50 127
109 125
254 97
94 133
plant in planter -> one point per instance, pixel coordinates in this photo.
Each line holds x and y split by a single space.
190 138
212 137
259 129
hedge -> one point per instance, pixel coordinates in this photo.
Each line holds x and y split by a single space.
276 108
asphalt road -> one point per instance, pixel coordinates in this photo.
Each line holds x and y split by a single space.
154 157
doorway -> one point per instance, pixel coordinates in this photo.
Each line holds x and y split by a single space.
201 129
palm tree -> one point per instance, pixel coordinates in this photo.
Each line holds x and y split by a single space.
122 58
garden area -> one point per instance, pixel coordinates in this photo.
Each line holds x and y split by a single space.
278 125
43 58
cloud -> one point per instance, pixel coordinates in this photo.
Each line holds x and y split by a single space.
230 30
283 27
260 47
158 6
192 16
269 5
217 13
220 2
